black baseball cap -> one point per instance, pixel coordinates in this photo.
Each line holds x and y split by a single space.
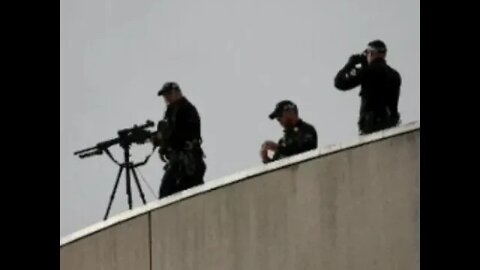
168 87
377 46
282 106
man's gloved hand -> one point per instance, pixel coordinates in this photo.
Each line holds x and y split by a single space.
356 59
162 152
155 139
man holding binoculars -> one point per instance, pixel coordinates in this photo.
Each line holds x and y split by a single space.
380 87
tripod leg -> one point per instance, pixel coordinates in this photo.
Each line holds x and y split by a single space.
113 192
129 189
138 185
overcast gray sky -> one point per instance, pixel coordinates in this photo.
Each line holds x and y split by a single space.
233 59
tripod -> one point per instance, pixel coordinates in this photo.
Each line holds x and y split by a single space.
130 168
136 134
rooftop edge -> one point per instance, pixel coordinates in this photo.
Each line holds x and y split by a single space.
239 176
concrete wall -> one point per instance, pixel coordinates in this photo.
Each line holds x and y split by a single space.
353 209
125 246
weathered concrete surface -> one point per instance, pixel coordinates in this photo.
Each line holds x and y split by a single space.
355 209
121 247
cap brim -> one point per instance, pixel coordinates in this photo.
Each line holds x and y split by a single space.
162 92
273 115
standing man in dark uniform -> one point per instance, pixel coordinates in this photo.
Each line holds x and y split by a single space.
380 87
299 136
180 140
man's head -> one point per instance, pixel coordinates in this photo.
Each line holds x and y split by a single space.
375 49
286 113
171 92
